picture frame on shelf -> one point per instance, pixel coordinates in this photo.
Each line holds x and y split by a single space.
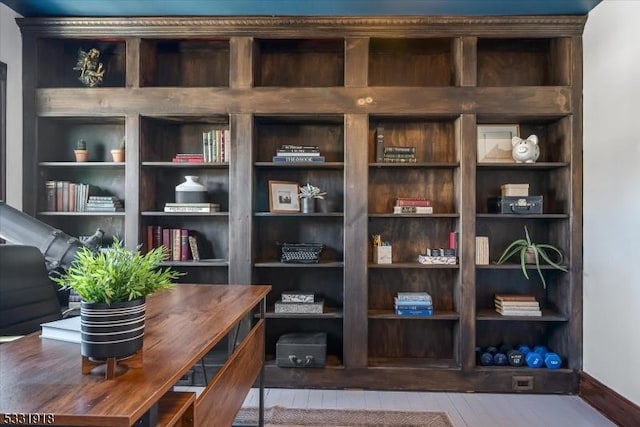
494 143
283 196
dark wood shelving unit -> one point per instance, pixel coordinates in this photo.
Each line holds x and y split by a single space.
332 82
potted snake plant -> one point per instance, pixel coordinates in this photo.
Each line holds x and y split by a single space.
530 253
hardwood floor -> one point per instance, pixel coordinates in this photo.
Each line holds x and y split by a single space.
465 409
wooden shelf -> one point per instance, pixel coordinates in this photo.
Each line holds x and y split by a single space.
523 166
278 264
434 216
82 164
405 362
183 214
431 165
200 263
298 165
186 165
390 314
119 213
547 316
402 265
299 214
329 313
522 216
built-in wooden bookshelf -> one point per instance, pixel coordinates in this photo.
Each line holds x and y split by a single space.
332 82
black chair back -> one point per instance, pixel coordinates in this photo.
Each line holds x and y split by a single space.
28 297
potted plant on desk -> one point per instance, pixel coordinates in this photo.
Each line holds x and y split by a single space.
113 284
533 253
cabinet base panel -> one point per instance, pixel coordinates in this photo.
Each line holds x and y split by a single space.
511 380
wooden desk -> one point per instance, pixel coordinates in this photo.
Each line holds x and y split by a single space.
43 376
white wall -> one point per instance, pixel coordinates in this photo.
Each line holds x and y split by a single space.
11 54
612 196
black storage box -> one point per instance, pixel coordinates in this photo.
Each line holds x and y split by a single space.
519 205
302 350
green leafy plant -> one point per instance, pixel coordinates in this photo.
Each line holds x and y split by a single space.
539 251
123 143
116 274
81 144
311 192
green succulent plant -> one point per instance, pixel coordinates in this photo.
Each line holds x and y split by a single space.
311 192
540 251
116 274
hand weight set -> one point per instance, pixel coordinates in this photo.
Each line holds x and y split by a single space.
506 354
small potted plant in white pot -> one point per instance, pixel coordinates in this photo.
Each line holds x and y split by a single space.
113 285
308 195
533 253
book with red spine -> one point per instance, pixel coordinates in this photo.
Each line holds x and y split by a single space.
166 242
413 201
184 244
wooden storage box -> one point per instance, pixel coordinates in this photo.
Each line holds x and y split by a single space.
302 350
519 190
382 255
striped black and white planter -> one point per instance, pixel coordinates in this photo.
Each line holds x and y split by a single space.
114 330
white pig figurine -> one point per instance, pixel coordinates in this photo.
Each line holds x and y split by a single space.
525 150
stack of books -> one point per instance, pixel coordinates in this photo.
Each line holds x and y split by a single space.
517 305
392 154
298 153
188 158
399 154
438 256
412 205
299 303
413 304
104 204
192 207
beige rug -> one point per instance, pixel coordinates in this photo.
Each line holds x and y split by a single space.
290 417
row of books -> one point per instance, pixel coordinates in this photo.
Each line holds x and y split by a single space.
412 205
299 303
180 244
517 305
192 207
214 149
65 196
413 304
298 153
395 153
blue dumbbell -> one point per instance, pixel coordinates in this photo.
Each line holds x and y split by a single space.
486 359
500 359
541 350
524 349
552 360
533 359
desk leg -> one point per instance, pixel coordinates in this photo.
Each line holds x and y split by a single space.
261 380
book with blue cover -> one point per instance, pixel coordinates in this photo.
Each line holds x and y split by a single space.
407 312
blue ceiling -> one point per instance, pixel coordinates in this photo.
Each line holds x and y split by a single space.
30 8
